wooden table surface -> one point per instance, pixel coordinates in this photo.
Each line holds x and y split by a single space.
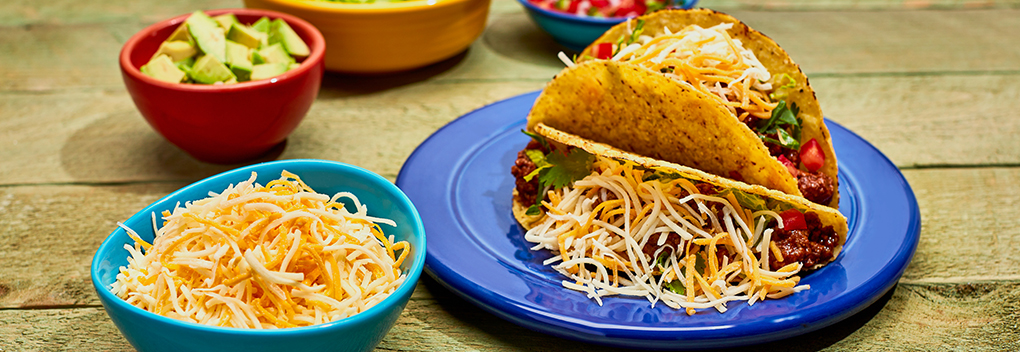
934 84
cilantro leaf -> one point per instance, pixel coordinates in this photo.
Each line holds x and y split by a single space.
663 260
699 264
566 168
784 124
677 287
533 210
537 136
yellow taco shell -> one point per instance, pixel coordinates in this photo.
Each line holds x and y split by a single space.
645 112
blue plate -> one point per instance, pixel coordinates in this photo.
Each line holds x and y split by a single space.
459 179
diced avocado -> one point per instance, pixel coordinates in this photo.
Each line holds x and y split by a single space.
237 53
207 35
264 71
263 40
257 58
163 69
237 59
242 71
231 81
176 50
275 53
208 70
262 25
244 35
293 66
226 20
185 65
181 34
280 32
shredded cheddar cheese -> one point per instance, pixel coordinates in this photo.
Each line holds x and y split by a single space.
263 257
711 61
610 235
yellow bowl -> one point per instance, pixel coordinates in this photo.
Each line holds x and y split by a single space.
388 36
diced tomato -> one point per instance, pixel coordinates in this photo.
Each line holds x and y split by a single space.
811 155
637 8
602 51
572 8
789 165
599 4
793 219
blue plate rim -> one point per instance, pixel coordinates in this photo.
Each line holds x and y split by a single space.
568 327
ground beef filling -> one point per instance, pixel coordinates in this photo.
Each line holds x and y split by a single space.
526 190
815 186
811 246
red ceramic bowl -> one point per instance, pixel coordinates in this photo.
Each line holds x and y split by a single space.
224 123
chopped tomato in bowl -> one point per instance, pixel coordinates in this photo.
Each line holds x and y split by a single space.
604 8
577 23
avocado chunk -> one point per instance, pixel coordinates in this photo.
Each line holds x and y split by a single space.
280 32
181 34
242 71
185 65
262 25
163 69
207 35
257 58
237 59
225 20
208 70
270 70
275 53
176 50
293 66
242 34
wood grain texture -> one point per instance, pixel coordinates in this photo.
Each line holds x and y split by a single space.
98 136
78 55
912 317
931 83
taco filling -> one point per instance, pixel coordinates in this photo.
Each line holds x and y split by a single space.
711 61
619 228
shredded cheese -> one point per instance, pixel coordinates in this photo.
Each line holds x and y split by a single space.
711 61
601 227
263 257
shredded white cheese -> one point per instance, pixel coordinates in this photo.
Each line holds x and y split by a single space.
263 257
599 227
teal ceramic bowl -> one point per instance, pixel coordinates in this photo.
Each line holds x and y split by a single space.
148 331
577 32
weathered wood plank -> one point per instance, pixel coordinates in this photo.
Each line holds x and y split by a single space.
98 135
76 55
973 317
968 228
21 12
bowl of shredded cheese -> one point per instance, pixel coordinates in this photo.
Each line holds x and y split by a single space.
313 254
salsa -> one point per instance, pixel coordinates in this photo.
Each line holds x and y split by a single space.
603 8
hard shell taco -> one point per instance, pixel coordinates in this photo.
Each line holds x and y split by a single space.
623 224
701 89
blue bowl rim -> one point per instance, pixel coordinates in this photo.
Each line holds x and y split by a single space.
687 4
238 175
